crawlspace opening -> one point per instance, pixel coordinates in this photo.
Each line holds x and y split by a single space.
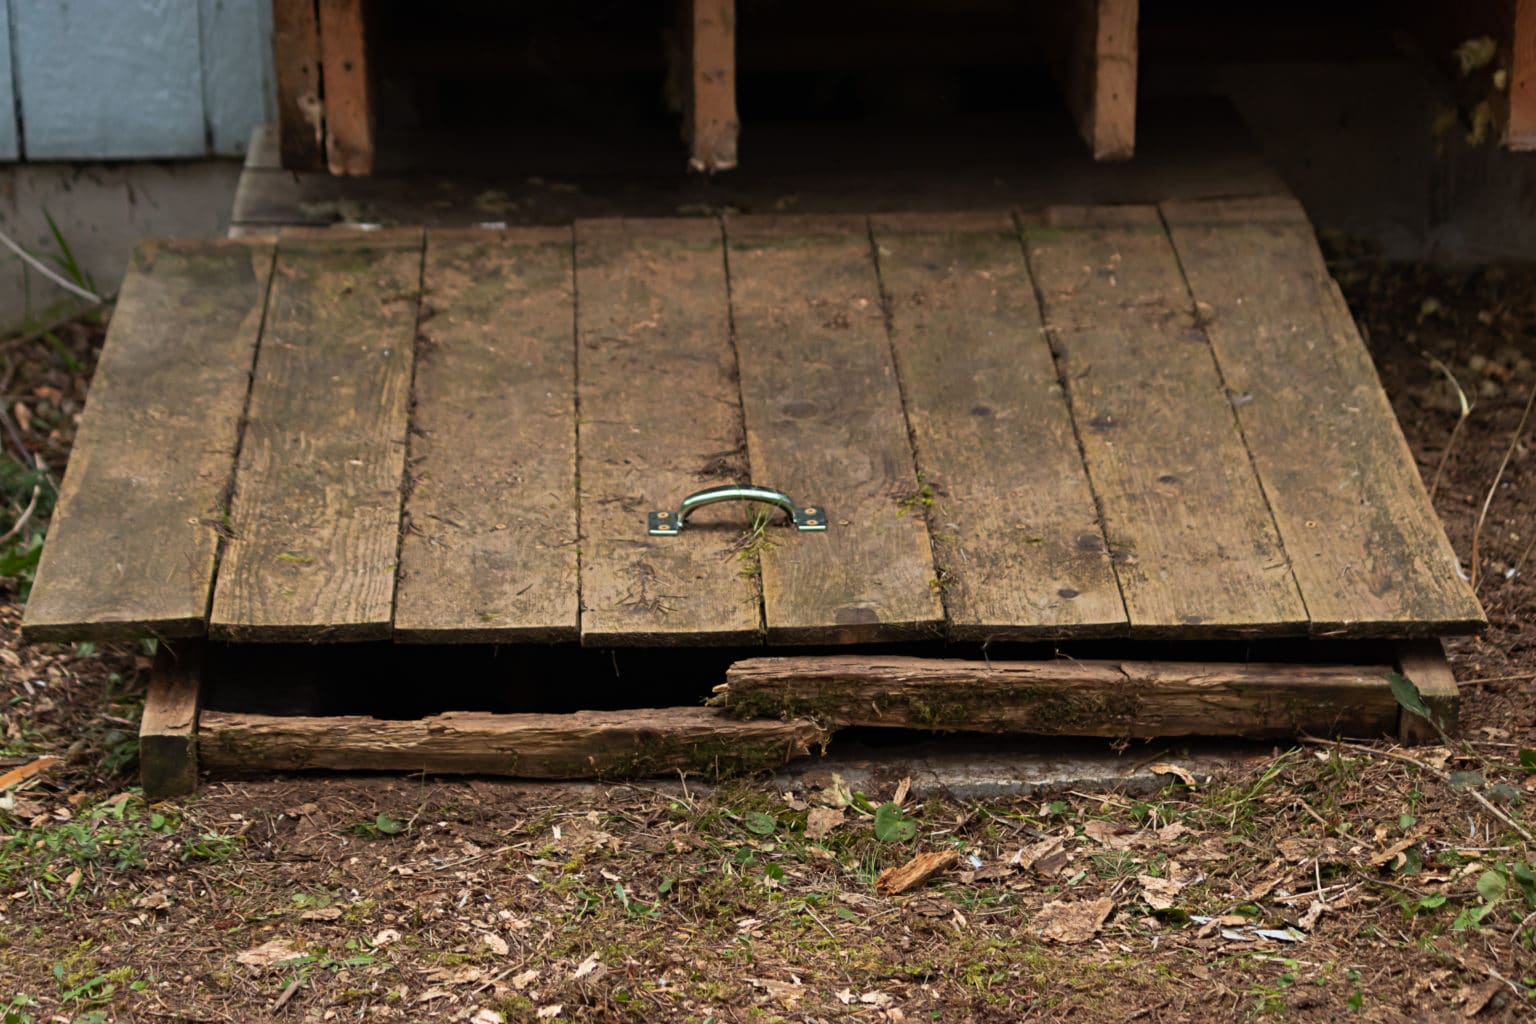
408 681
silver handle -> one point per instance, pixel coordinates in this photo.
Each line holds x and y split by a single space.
670 524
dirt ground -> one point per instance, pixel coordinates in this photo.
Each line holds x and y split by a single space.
1319 882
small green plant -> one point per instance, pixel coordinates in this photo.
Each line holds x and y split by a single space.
212 847
380 827
892 825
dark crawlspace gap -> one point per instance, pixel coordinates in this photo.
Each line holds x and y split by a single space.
407 681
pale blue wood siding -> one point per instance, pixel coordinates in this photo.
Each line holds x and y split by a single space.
9 143
237 71
127 79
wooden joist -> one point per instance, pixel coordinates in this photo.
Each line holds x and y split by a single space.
1112 699
1093 51
325 112
168 728
710 124
582 745
1423 663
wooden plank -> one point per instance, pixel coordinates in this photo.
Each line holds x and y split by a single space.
1093 46
108 81
168 729
660 418
1364 541
316 515
585 744
825 424
349 115
489 555
1063 697
712 125
1015 532
296 68
237 71
1521 134
1423 663
132 546
1192 539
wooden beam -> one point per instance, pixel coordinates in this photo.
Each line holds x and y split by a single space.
710 122
296 65
168 730
1522 79
1424 664
1112 699
585 744
1093 46
349 119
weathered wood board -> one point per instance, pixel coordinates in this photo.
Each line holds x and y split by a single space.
1189 530
1016 536
133 542
660 418
315 523
825 424
1366 546
489 552
1114 699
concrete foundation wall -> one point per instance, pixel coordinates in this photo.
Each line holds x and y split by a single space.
102 210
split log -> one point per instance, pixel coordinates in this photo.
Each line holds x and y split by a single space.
585 744
1112 699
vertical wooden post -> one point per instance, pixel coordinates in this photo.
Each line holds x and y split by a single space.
296 63
348 88
168 730
1522 79
1423 662
1093 46
710 120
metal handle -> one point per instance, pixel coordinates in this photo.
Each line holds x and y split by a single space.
805 517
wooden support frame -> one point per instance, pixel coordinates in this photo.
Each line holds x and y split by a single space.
1521 135
1423 663
168 730
710 124
1093 51
325 110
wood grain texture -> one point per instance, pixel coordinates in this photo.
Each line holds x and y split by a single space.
349 114
489 555
168 729
585 744
1423 663
1367 548
712 124
1093 46
296 68
1193 542
133 543
1015 532
1115 699
825 424
660 419
1521 135
316 516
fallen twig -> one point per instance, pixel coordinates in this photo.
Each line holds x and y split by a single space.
1461 419
1438 773
1509 452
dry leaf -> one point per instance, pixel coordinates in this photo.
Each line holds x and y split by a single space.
16 776
1308 921
1159 893
486 1015
1073 922
586 967
269 955
321 914
385 937
497 944
894 881
528 977
1108 835
1167 768
153 901
1477 997
1045 858
821 821
431 994
546 1012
